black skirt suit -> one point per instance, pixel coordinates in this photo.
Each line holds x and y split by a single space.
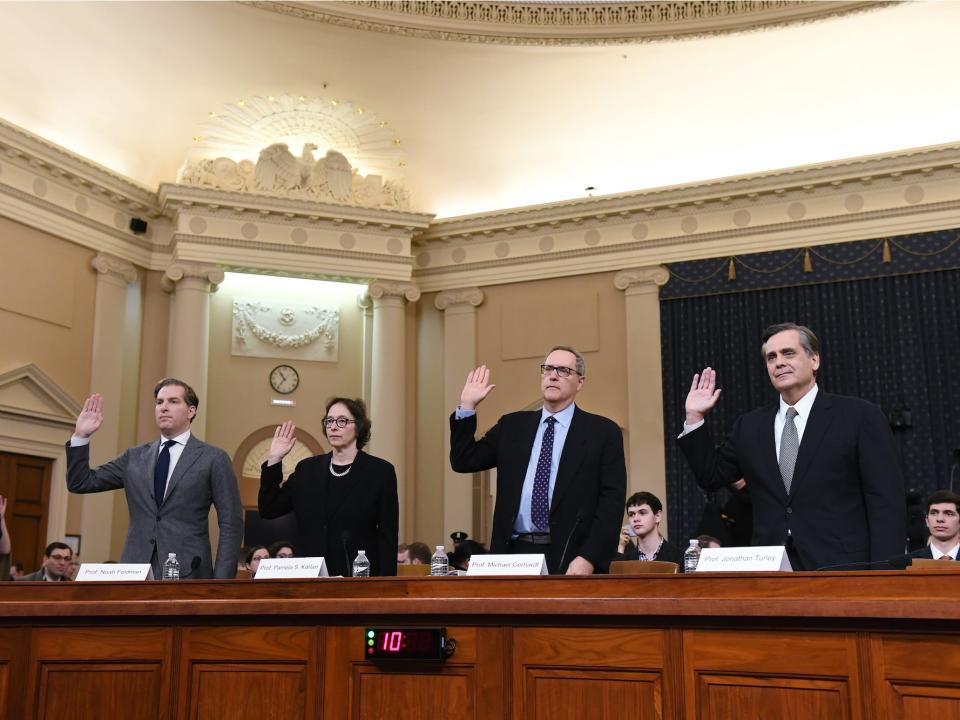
337 516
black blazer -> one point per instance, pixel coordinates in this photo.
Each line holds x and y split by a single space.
590 489
846 501
668 553
367 518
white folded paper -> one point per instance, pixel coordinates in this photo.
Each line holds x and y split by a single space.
102 572
766 558
291 568
507 565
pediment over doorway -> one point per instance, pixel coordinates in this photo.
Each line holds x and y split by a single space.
29 392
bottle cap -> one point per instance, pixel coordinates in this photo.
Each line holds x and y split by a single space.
439 548
171 555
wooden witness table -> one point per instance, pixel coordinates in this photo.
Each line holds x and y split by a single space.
791 646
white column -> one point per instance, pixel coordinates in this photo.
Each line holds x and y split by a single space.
459 358
365 303
641 288
388 383
189 333
106 377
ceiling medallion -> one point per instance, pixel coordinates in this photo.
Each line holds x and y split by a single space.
564 22
240 130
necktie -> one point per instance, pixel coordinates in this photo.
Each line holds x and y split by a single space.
160 472
540 502
789 445
944 557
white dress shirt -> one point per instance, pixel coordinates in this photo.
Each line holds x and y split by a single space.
176 450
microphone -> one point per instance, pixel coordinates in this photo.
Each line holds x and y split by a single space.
194 564
344 537
896 562
566 545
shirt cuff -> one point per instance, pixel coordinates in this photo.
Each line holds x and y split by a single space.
460 413
687 429
78 441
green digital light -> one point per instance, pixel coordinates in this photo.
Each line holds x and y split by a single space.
370 643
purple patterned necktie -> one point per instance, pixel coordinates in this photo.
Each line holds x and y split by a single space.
540 502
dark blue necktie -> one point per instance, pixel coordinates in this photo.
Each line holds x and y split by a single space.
160 472
540 502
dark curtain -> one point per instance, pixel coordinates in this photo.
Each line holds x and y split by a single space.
892 340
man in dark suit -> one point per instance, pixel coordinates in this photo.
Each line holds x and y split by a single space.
56 565
943 522
170 485
821 469
561 476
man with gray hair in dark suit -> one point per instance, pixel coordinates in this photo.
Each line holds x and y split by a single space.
170 485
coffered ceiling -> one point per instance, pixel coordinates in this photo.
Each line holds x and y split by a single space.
485 122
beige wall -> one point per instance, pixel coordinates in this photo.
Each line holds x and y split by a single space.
518 323
47 290
430 427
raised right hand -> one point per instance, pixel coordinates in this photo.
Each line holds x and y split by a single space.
90 417
477 387
284 438
703 395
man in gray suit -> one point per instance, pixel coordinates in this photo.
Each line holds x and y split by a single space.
170 484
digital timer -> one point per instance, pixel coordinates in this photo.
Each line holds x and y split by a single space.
406 644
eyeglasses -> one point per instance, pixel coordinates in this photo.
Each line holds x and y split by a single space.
562 371
340 422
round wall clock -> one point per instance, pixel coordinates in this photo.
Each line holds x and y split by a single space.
284 379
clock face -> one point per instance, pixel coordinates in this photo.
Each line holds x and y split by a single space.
284 379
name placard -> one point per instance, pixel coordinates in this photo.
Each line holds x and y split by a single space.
766 558
291 568
102 572
507 565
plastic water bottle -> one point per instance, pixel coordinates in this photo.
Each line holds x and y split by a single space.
171 567
692 556
361 565
439 564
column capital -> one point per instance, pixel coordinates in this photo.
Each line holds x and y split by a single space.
472 296
113 266
648 275
181 270
380 289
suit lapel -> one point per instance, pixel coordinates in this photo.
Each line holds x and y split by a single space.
191 452
574 447
769 450
821 415
510 480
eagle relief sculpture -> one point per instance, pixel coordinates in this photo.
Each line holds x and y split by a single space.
279 172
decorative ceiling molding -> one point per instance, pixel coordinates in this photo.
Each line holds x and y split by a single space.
851 200
563 23
240 130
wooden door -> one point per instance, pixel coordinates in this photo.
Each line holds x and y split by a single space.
25 482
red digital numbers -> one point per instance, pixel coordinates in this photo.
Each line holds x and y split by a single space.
392 641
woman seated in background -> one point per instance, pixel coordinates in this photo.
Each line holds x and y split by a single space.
282 549
344 501
254 556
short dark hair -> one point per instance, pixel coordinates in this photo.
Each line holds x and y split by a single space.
704 539
57 546
808 339
581 365
279 545
464 551
420 551
189 394
358 409
645 498
943 496
251 551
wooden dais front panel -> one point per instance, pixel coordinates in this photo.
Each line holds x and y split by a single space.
918 676
786 675
601 674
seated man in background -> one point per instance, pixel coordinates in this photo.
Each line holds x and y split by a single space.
644 511
416 553
709 541
943 522
56 564
464 550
